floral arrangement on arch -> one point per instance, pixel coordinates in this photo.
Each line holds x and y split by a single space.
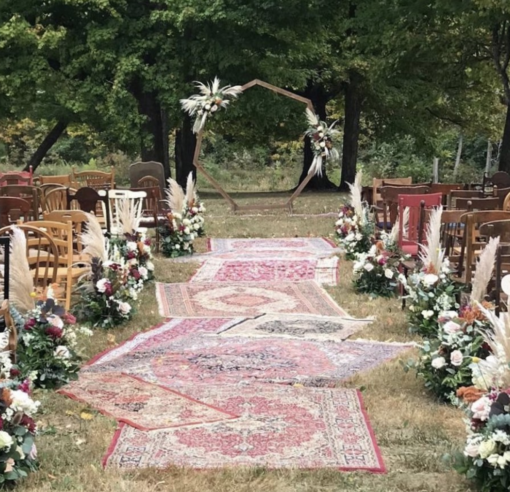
185 221
446 357
321 137
354 229
430 289
486 455
211 98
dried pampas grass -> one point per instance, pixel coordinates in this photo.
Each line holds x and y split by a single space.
21 280
191 191
431 253
356 191
175 196
128 214
484 269
93 240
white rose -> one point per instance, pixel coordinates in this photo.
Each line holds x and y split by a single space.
143 271
497 460
451 327
358 265
186 222
207 107
131 246
124 307
195 210
62 352
177 246
369 267
214 108
438 362
150 265
21 402
322 145
471 450
481 409
388 273
427 314
456 358
486 448
101 285
196 227
430 279
5 440
186 230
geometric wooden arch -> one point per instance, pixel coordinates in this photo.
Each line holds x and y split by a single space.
234 206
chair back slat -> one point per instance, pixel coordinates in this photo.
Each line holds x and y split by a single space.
478 203
378 182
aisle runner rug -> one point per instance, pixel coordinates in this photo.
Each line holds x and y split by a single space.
299 326
141 404
322 270
248 299
163 334
213 360
315 245
279 427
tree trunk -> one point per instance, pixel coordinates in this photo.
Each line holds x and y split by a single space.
154 145
459 155
319 99
353 105
46 145
504 154
185 143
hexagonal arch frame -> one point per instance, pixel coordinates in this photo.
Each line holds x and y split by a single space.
233 205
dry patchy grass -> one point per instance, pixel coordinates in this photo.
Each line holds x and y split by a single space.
413 430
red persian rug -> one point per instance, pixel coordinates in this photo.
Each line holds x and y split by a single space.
248 299
313 245
322 270
140 404
278 427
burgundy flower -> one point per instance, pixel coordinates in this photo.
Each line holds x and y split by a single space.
25 386
54 332
114 267
131 255
382 261
15 372
182 227
147 242
69 319
135 273
30 324
29 423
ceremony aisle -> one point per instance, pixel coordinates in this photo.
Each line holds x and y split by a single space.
412 431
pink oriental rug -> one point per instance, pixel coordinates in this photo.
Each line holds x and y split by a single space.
248 299
323 270
312 245
279 427
140 404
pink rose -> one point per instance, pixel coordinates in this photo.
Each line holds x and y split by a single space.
481 408
451 327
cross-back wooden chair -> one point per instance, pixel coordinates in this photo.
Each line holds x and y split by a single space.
473 243
95 179
78 219
7 323
67 272
378 182
390 204
26 192
492 203
61 179
91 201
13 209
42 254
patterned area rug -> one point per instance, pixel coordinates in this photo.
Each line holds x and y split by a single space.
141 404
211 299
279 427
300 326
322 270
313 245
204 359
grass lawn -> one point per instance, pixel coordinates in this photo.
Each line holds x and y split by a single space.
412 429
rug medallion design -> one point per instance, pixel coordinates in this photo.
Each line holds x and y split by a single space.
248 299
279 427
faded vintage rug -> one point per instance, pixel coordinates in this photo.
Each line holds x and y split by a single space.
248 299
314 245
203 359
162 335
141 404
323 270
279 427
299 326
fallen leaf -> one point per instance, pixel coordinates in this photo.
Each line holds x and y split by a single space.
69 412
86 416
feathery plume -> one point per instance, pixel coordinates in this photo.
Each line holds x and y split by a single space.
191 193
431 253
129 214
356 191
484 269
175 196
312 118
21 280
93 240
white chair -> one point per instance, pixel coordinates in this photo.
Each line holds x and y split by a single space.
116 200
